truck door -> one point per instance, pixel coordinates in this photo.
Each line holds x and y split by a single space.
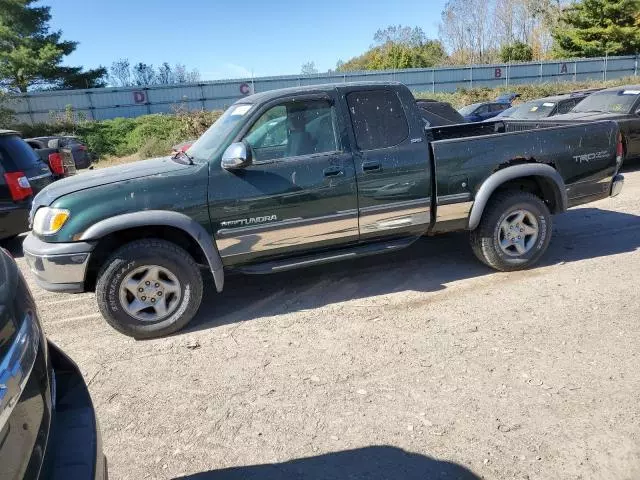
299 193
392 165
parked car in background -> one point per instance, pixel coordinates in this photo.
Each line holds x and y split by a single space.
48 426
621 104
543 107
478 112
73 153
22 175
437 114
182 147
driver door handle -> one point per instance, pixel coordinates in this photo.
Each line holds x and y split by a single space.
332 171
371 166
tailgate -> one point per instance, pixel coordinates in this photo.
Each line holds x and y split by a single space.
68 162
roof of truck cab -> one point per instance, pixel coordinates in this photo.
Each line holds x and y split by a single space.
8 132
283 92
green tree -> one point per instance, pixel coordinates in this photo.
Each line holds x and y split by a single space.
397 47
591 28
31 54
516 52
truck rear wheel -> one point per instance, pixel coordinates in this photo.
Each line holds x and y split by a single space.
149 288
514 232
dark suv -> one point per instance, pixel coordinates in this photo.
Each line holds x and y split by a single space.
48 427
22 175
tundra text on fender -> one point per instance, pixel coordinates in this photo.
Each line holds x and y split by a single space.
304 176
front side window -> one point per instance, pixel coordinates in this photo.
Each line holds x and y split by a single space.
378 119
294 129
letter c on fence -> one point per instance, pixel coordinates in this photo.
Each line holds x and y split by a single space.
245 89
139 97
498 73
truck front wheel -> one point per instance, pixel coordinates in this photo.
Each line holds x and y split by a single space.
514 232
149 288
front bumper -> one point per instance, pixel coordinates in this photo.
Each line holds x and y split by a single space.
74 446
616 185
58 267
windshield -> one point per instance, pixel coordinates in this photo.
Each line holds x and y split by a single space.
620 101
211 140
532 110
468 110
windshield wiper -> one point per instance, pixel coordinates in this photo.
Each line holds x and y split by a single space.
184 155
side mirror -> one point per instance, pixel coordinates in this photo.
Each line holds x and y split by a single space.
638 111
237 155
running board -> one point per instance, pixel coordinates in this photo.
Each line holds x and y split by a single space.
326 257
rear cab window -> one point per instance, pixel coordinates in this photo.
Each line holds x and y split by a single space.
378 119
16 154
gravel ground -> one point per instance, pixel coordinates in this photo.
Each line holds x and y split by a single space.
420 364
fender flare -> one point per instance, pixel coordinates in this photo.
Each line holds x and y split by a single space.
163 218
511 173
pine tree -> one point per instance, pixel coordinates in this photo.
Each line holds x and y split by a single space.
592 28
31 54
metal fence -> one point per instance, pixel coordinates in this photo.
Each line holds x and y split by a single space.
104 103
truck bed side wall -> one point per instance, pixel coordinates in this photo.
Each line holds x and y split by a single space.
583 154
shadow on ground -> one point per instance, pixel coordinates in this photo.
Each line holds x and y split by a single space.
427 266
371 463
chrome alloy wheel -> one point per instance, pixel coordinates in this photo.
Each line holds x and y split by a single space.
518 233
150 293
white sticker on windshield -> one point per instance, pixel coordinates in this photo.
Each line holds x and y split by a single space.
548 104
241 110
631 92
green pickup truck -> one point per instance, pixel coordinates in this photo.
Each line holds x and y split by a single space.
304 176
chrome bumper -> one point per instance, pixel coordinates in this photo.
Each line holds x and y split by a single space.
616 185
58 267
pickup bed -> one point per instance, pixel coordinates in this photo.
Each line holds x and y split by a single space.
304 176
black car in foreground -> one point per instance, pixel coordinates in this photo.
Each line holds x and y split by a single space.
48 427
621 104
22 175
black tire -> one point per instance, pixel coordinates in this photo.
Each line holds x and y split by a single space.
485 239
139 254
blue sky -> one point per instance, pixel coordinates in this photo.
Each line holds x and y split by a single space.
230 39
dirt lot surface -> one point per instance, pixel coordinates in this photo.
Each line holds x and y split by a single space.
422 364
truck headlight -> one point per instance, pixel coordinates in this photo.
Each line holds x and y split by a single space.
48 221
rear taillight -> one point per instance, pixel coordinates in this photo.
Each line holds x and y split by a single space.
619 149
55 162
18 185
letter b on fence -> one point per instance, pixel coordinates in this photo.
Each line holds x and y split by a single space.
497 73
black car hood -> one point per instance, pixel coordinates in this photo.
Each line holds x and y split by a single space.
105 176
